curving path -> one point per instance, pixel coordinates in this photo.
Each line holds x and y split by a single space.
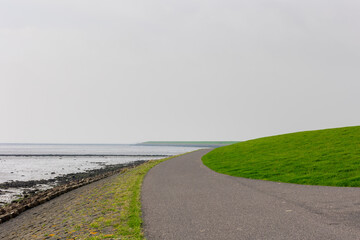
183 199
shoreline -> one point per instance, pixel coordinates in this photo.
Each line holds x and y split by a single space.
84 155
106 209
33 195
63 179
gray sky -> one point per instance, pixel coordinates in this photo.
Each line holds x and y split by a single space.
82 71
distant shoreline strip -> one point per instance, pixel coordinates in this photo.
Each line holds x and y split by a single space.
81 155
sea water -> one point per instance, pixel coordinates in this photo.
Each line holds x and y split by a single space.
24 162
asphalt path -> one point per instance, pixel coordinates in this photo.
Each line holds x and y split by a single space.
183 199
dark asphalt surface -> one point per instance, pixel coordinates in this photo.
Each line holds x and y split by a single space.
183 199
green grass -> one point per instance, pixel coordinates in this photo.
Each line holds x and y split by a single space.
122 212
110 210
328 157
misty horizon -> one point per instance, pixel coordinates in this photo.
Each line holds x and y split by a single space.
127 72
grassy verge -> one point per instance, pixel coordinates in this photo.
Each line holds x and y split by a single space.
110 210
325 157
122 212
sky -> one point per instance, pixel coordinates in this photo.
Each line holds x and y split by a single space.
84 71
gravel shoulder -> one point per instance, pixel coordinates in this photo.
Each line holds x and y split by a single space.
183 199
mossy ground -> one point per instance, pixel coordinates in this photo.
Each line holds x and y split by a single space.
107 209
120 207
324 157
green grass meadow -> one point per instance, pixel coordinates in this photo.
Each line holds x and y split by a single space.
328 157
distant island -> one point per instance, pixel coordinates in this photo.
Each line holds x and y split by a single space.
213 144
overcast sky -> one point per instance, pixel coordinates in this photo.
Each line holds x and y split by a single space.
82 71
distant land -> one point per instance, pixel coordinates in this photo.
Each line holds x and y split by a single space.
189 143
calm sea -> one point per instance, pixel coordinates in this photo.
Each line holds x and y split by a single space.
43 161
24 162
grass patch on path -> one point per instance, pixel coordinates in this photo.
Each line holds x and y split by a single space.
328 157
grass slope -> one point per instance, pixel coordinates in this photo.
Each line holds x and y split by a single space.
112 211
126 198
324 157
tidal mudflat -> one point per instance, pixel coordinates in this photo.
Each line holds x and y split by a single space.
29 168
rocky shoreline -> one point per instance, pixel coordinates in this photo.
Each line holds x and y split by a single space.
35 196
